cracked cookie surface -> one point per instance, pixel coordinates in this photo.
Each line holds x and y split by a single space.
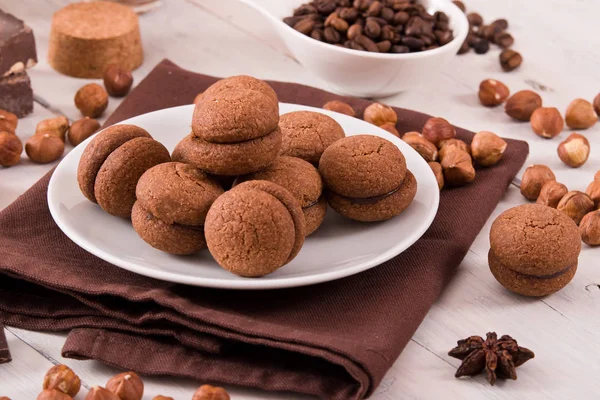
243 82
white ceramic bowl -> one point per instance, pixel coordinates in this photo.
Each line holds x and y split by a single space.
361 73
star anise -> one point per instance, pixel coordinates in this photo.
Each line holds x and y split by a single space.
499 357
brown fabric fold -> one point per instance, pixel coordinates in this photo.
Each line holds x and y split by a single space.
335 340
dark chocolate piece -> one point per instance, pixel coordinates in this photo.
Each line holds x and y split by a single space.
4 352
17 45
16 95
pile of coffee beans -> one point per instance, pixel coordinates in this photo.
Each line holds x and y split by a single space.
386 26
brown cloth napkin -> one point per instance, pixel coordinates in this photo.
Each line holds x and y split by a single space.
335 340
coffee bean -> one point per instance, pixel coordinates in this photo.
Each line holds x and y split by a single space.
504 40
344 3
372 29
384 46
325 7
413 43
482 46
471 39
441 16
291 21
349 14
388 33
339 24
460 5
401 18
305 26
361 5
356 46
510 60
398 49
367 43
501 23
374 9
441 25
414 26
305 9
433 46
464 48
492 30
317 34
475 19
354 31
387 14
443 37
331 35
382 22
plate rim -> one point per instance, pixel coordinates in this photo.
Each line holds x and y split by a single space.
249 283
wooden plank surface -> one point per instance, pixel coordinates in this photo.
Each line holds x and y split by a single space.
224 37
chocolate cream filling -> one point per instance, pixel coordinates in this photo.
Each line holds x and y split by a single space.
314 203
370 200
552 276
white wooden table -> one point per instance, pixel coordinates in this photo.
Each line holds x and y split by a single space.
561 48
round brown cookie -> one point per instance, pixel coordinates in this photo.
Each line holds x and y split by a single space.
243 82
97 151
379 208
315 214
235 115
249 232
306 134
535 240
292 205
362 166
170 238
116 181
177 193
529 285
229 159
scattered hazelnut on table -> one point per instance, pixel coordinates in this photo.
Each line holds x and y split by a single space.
436 167
446 146
576 205
424 147
597 176
10 149
589 227
510 60
534 178
4 398
547 122
580 114
208 392
117 80
458 168
487 148
126 385
574 150
8 122
44 148
391 128
593 190
161 397
57 126
91 100
53 394
339 106
522 104
198 98
378 114
61 377
437 130
492 93
597 104
551 194
99 393
82 129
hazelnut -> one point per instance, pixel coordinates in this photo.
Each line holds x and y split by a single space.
91 100
597 176
127 385
8 122
424 147
552 192
438 129
161 397
117 80
522 104
547 122
61 377
580 114
391 128
413 133
4 398
446 146
82 129
339 106
597 104
574 150
54 126
534 177
492 93
458 168
487 148
44 148
53 394
207 392
378 114
10 149
436 167
589 227
99 393
593 190
575 204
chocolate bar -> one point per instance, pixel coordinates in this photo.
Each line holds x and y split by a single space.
4 352
17 45
16 95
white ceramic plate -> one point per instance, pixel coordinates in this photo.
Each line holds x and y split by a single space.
339 248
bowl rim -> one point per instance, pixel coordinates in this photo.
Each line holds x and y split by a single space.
462 21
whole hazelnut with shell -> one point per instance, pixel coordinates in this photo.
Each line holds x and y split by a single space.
551 194
126 385
522 104
8 122
580 114
208 392
57 126
61 377
593 190
82 129
487 148
597 176
547 122
43 148
117 80
458 168
436 167
99 393
492 93
424 147
340 107
437 130
10 149
446 146
378 114
534 178
53 394
574 150
391 128
589 227
597 104
161 397
576 205
91 100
